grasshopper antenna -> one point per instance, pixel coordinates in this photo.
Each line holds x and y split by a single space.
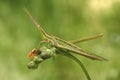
36 23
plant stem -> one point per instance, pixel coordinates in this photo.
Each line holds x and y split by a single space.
67 54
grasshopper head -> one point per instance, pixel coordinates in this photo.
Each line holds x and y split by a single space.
33 53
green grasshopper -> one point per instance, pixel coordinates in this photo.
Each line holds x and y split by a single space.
58 45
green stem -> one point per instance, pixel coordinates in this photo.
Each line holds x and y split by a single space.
67 54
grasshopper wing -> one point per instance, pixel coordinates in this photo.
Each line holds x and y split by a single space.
65 45
83 53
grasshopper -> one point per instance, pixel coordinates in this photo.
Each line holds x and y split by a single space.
70 46
60 46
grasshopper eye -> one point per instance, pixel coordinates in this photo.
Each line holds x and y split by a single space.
33 53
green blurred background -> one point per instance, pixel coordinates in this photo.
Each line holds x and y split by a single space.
69 20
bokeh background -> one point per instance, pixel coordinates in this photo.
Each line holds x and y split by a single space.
69 20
